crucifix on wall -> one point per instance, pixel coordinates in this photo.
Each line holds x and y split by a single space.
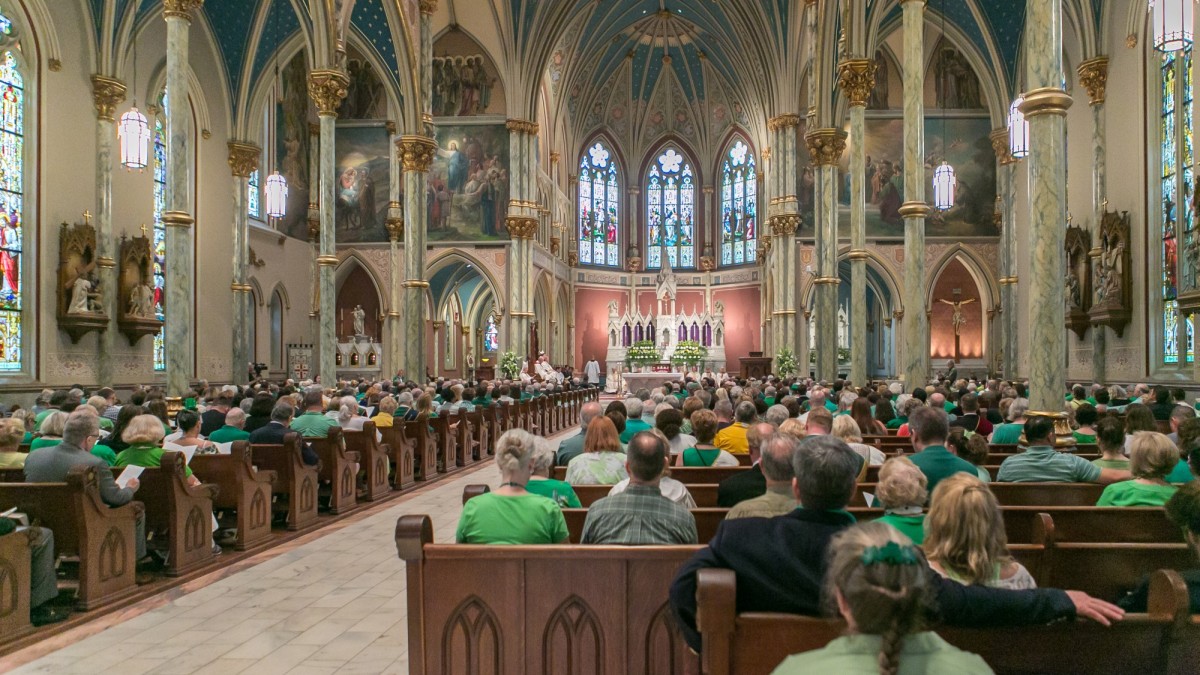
957 319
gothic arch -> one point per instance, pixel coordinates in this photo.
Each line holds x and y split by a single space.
447 256
256 292
639 222
260 96
347 265
283 294
483 51
976 266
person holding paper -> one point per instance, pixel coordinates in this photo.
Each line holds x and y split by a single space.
143 435
51 465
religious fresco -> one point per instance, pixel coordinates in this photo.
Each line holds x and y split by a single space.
361 188
955 84
292 147
365 95
465 81
468 189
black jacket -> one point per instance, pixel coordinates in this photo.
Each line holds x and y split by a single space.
780 564
274 432
210 421
742 486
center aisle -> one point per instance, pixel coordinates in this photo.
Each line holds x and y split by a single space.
333 602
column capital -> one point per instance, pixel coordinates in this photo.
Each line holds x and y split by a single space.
520 227
783 121
1093 75
180 9
243 158
785 225
522 126
856 77
554 157
1001 147
106 94
427 7
766 154
395 228
1046 101
327 88
416 152
826 146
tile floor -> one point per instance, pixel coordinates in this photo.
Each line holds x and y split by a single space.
334 603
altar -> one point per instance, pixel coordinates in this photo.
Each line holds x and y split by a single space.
651 381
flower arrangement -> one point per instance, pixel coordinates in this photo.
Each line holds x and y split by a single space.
785 362
688 353
510 365
641 353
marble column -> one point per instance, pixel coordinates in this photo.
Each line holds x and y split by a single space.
416 154
243 161
314 226
327 88
826 147
107 93
857 78
395 228
425 64
1093 75
1046 107
1004 220
522 224
784 225
177 217
914 209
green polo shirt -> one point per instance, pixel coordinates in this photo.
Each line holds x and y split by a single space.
313 425
938 463
1133 493
1007 434
632 427
1044 464
228 434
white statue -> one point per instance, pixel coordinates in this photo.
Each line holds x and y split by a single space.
80 292
612 309
360 318
141 301
1072 294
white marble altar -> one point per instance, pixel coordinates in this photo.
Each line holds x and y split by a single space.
636 381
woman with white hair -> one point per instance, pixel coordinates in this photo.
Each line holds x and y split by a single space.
512 514
540 482
50 431
1011 432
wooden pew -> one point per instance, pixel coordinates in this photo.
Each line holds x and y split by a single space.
12 475
1021 494
754 643
424 449
338 470
400 449
558 609
443 442
373 461
293 479
492 425
84 527
705 495
707 521
181 513
242 489
464 439
483 437
690 475
1108 570
15 584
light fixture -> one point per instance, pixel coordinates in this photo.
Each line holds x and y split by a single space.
1172 24
134 131
275 199
944 184
1018 130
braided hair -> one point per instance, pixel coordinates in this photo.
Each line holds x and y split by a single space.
878 581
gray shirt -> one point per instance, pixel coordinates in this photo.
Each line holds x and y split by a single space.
51 465
639 516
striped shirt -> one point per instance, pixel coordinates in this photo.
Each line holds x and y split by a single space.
639 516
1044 464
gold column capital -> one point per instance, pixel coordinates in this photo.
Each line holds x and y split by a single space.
243 158
785 225
1046 101
783 121
856 77
327 88
766 154
1093 75
521 227
181 9
395 228
416 152
427 7
826 146
1001 147
107 92
554 157
522 126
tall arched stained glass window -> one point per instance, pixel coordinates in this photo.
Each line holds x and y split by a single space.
671 210
253 209
158 242
739 206
1177 186
491 336
599 206
12 174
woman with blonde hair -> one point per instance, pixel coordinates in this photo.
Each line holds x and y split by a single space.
793 427
12 431
511 514
903 490
876 582
51 431
965 538
703 452
845 428
144 434
1152 456
385 418
602 462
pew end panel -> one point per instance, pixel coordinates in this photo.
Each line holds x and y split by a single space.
293 479
373 461
243 489
181 511
338 470
15 584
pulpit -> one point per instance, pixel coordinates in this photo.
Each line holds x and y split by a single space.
756 365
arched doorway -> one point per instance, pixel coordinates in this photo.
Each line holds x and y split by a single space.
466 323
958 307
880 336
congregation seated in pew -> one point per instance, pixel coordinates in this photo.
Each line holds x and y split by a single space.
511 514
603 459
775 465
1183 508
903 491
1152 458
1041 463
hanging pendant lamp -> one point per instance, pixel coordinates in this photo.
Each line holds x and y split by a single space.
275 199
1018 130
134 133
1172 21
944 185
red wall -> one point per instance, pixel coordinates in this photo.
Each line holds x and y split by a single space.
743 323
941 323
591 322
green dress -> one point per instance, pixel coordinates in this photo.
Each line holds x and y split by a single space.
521 519
1007 434
560 491
148 456
1133 493
43 442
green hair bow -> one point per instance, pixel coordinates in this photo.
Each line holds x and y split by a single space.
890 554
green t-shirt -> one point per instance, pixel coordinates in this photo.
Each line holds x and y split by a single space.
1133 493
920 653
105 453
896 422
313 425
106 424
1007 434
228 434
700 457
1120 464
560 491
523 519
148 456
1180 474
41 417
43 442
1083 438
912 527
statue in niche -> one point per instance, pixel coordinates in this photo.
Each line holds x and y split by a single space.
1113 287
85 296
1072 294
79 295
1077 286
141 301
612 309
879 95
139 309
360 320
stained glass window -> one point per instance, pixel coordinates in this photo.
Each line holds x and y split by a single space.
252 197
158 243
671 211
12 174
599 206
739 209
491 336
1177 186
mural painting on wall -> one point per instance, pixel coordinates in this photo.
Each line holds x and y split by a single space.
365 97
361 160
468 183
465 81
292 147
956 84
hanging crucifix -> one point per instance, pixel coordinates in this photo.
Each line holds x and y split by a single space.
958 319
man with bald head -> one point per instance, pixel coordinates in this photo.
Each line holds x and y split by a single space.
750 483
